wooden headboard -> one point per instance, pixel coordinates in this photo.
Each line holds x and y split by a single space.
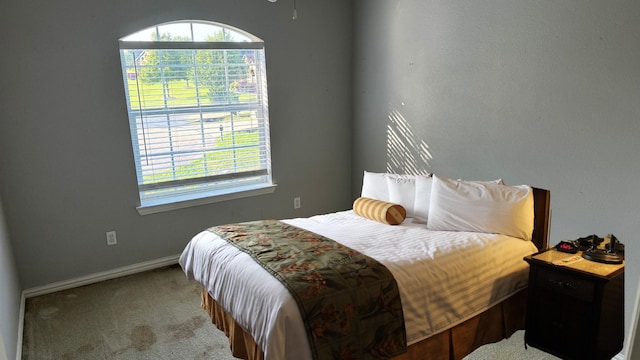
541 200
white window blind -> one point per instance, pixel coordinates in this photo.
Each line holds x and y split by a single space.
198 111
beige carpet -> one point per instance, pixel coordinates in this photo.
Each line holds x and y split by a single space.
152 315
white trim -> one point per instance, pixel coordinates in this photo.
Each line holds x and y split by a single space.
633 327
20 327
100 276
173 204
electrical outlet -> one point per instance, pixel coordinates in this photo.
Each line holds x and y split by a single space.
296 202
111 238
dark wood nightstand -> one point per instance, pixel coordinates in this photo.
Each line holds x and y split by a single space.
575 310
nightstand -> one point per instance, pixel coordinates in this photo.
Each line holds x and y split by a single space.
575 310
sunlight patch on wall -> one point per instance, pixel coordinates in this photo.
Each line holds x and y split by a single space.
406 154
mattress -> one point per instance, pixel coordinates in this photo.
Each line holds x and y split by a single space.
444 277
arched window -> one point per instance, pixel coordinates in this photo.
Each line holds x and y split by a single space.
196 94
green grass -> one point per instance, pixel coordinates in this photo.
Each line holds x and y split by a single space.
180 94
216 162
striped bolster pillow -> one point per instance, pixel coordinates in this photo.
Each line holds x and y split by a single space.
378 210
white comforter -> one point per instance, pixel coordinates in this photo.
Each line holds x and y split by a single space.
444 277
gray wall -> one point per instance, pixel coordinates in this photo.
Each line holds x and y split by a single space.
66 163
545 93
10 294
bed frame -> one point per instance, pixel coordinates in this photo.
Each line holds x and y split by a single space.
493 325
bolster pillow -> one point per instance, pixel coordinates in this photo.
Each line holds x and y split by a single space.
381 211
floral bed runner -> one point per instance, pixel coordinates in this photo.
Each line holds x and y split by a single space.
349 302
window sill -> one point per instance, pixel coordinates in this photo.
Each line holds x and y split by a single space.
156 206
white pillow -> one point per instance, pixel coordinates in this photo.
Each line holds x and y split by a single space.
374 186
422 200
481 207
402 191
423 197
379 186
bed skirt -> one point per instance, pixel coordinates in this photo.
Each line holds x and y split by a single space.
493 325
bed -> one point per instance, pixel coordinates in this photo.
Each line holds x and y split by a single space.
460 274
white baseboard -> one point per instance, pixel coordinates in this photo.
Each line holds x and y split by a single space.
100 276
20 328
